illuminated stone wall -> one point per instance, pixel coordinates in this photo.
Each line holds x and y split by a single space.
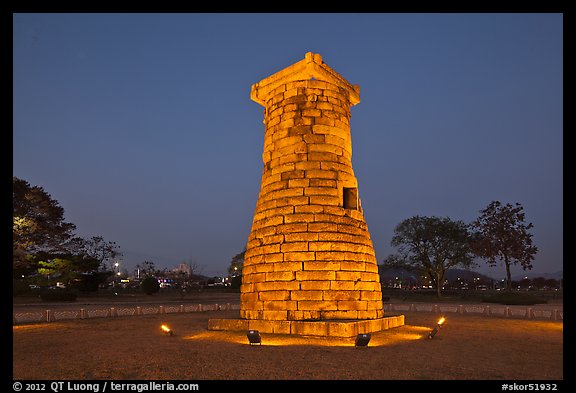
309 254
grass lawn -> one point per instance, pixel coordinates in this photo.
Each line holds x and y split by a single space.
135 348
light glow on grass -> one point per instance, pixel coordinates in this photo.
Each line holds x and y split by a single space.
39 326
383 338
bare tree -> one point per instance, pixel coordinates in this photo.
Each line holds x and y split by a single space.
502 235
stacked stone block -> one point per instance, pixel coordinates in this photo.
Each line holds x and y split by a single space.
309 255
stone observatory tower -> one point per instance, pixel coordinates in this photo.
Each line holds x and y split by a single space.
309 257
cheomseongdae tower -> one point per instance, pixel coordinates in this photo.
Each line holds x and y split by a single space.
309 256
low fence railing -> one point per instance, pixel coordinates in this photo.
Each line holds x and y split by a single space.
499 311
49 315
83 313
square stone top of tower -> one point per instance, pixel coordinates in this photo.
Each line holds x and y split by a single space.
311 67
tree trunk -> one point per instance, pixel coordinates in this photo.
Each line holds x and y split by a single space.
438 285
508 275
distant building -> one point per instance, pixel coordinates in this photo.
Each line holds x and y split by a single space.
183 268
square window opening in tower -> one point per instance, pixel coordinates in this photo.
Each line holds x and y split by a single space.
350 198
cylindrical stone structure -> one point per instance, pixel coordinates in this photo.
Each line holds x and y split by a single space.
309 254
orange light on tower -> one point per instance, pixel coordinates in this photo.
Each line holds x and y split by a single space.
437 327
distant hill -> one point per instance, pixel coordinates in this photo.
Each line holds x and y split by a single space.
387 274
556 276
390 274
453 274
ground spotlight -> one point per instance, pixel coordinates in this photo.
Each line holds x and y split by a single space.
167 330
254 337
437 327
362 340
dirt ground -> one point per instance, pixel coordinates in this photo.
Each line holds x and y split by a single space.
134 348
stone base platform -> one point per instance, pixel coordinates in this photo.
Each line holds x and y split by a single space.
324 328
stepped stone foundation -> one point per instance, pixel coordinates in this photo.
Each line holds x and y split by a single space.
309 266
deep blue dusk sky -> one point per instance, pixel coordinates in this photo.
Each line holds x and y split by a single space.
142 128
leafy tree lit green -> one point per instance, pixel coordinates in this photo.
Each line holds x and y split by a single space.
44 243
38 224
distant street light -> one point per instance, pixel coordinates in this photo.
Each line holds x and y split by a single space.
117 273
